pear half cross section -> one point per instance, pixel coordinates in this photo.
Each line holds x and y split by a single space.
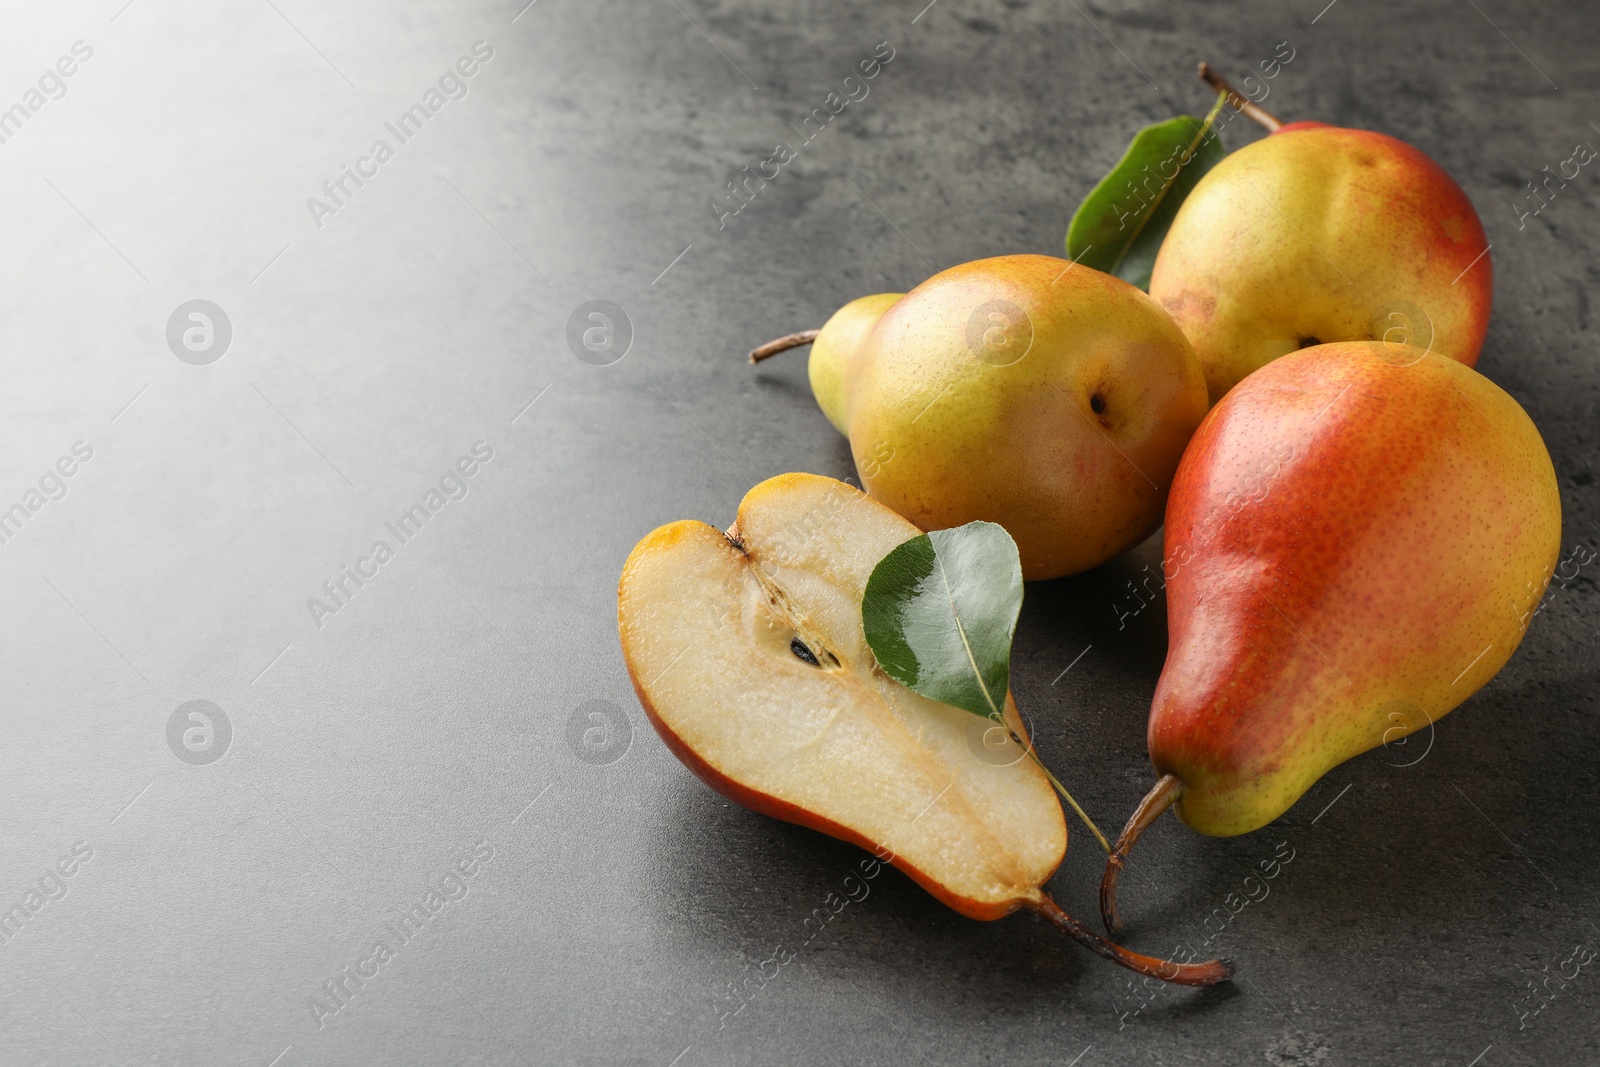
712 627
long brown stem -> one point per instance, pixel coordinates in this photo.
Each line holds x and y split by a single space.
1220 84
1209 973
1161 797
783 344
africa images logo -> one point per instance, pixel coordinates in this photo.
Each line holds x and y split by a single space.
452 85
51 85
451 887
199 332
52 486
599 732
454 484
199 732
52 886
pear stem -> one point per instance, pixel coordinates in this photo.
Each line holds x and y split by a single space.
1075 805
1193 974
1240 103
1162 796
783 344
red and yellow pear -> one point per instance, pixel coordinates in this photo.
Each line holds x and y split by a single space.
1316 234
1357 538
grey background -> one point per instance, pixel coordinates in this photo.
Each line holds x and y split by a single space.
370 753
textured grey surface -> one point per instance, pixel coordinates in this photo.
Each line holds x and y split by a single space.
616 916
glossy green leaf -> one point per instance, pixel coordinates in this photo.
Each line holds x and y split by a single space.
1120 225
939 613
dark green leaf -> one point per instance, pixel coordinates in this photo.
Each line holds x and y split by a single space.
1120 225
940 610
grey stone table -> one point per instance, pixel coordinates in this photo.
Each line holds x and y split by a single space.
435 746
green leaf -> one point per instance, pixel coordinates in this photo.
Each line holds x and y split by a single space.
939 613
1120 225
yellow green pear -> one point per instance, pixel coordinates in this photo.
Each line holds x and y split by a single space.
1023 390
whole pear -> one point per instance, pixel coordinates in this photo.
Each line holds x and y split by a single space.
1318 234
1356 540
1028 391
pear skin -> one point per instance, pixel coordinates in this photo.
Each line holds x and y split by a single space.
1318 234
1031 392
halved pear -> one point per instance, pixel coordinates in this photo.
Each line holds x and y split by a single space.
747 652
